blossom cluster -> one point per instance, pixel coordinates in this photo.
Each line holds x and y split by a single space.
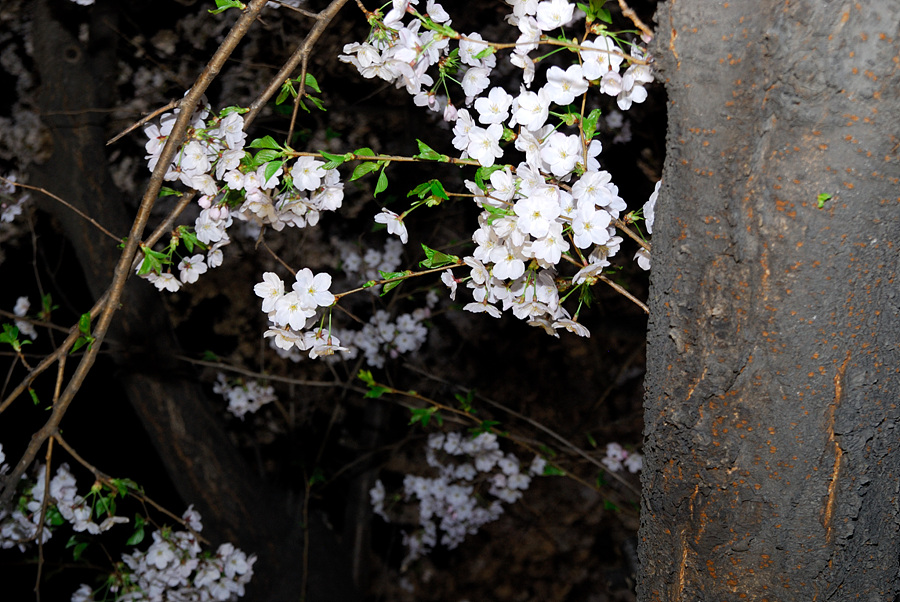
19 526
369 265
232 183
175 567
381 337
292 312
454 504
244 397
10 204
618 457
21 310
557 204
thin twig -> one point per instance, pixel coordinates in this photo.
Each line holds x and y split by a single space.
123 267
631 234
34 321
626 11
66 203
559 438
59 352
143 120
323 19
621 290
108 481
259 375
45 502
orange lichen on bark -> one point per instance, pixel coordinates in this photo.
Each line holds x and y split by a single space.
838 452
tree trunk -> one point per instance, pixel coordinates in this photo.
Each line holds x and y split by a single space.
772 456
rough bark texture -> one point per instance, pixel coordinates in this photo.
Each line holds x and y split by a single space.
772 453
190 439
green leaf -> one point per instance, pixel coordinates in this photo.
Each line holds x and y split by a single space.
232 109
334 161
266 155
496 213
591 440
552 471
423 416
224 5
484 427
189 237
389 286
437 259
265 142
603 15
78 547
312 83
429 154
271 168
364 168
123 485
286 90
34 396
364 152
137 536
366 377
10 334
420 191
84 323
81 342
484 173
444 30
375 392
484 53
54 516
317 476
590 124
166 191
317 102
437 190
465 401
823 198
382 184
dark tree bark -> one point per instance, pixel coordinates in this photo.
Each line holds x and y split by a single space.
191 440
772 453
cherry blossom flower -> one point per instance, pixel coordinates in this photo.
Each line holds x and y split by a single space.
590 226
495 107
290 311
650 208
602 57
164 282
484 144
561 153
536 212
554 13
530 109
643 258
563 86
313 289
191 268
475 81
307 173
394 224
270 289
